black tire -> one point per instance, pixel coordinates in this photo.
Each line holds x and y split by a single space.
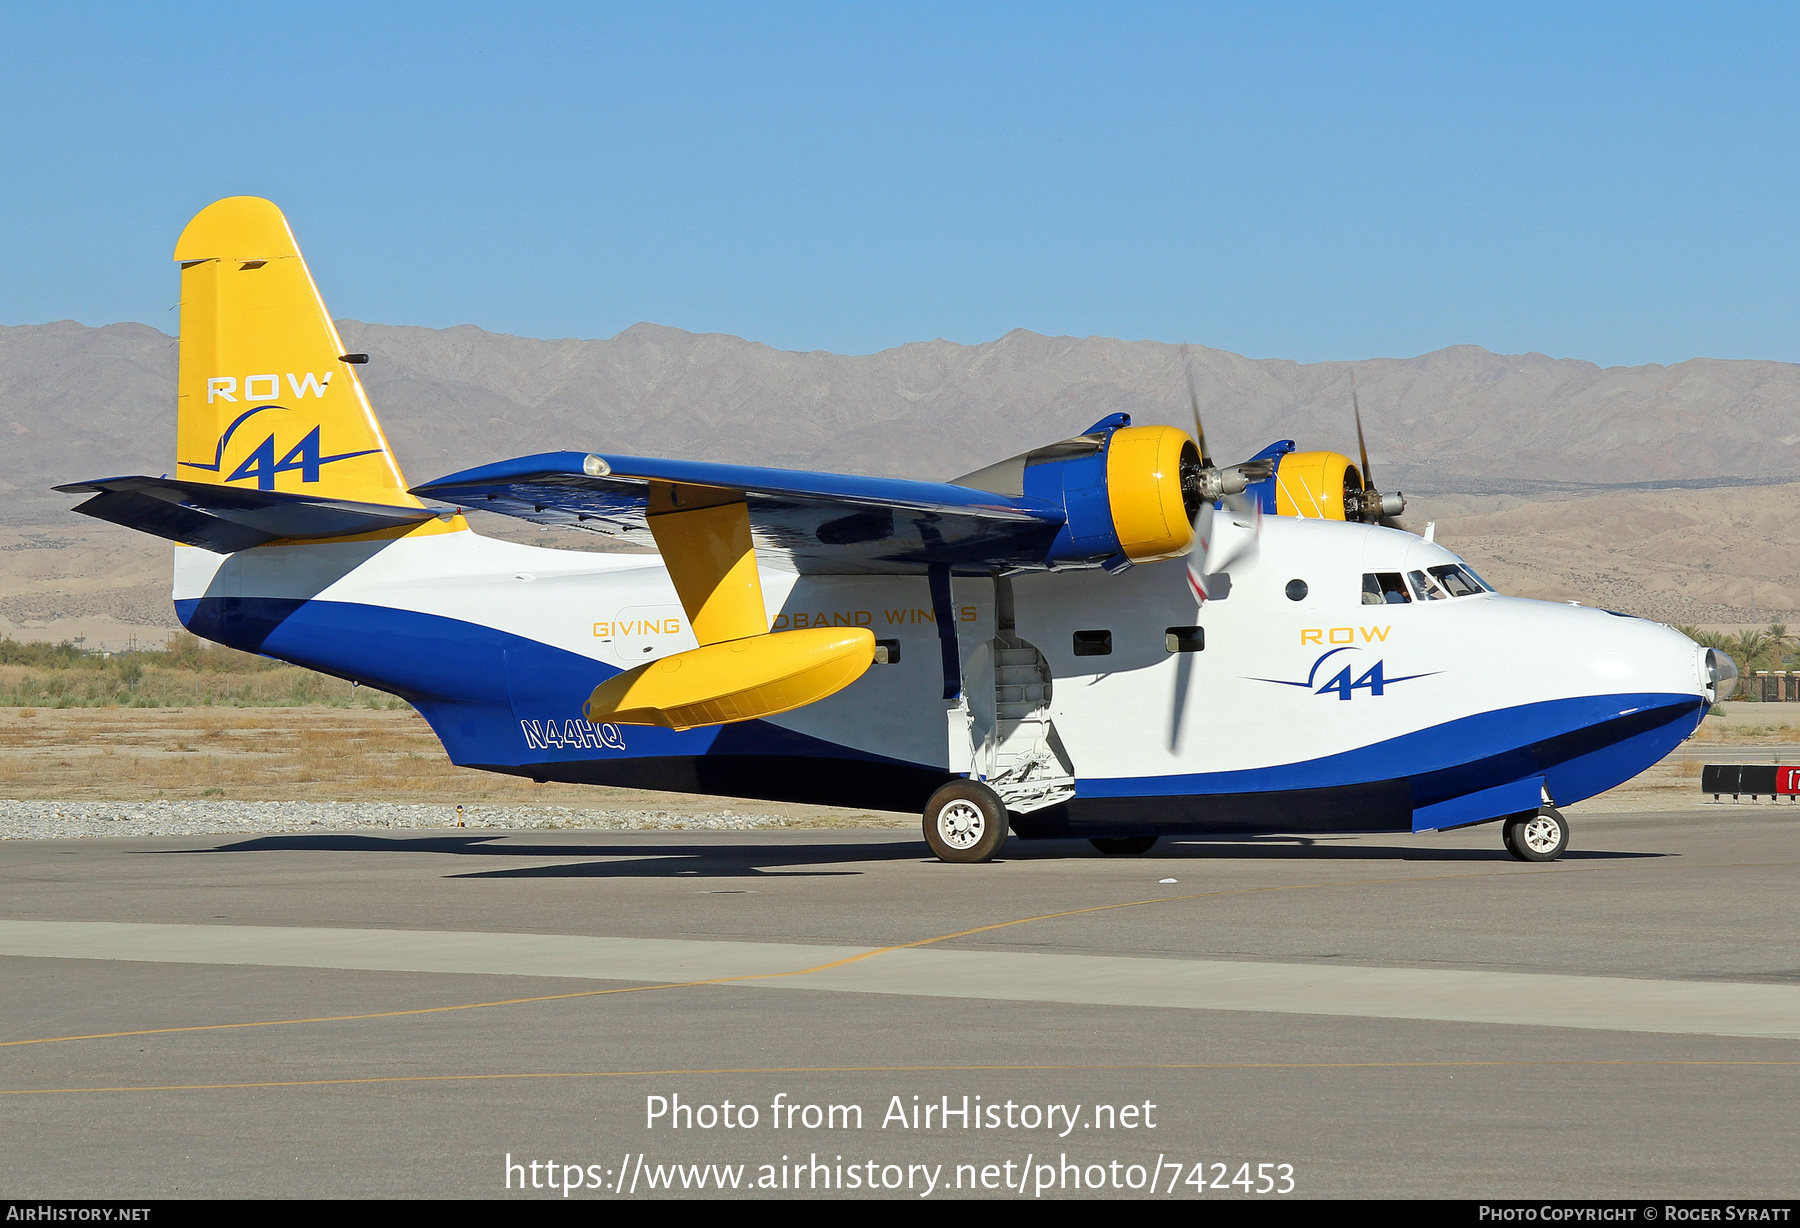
965 822
1123 846
1536 835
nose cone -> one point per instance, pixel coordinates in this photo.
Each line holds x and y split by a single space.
1719 672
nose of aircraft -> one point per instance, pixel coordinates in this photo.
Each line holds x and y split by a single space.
1636 691
1611 653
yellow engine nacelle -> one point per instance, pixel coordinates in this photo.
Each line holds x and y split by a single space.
1314 485
1152 516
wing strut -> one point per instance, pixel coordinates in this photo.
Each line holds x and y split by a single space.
704 536
945 615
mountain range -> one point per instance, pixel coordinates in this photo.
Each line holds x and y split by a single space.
1669 491
79 402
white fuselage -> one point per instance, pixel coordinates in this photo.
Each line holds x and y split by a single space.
1265 707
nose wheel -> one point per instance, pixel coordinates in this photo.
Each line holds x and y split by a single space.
1536 835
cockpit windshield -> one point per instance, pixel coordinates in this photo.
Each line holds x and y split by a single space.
1476 576
1444 582
1458 581
1425 588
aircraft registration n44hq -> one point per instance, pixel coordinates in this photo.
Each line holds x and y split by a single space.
1109 636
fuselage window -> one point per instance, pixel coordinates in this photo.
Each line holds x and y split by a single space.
1185 639
1425 587
1457 581
1384 588
1093 643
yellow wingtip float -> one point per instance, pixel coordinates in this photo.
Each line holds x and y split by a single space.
738 680
742 670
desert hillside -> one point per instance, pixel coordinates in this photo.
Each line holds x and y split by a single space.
1664 491
81 402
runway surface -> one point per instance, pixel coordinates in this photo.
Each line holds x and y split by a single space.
398 1014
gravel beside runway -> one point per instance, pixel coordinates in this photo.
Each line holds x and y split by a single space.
52 820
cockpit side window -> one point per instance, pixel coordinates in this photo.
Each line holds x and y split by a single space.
1425 587
1383 588
1457 581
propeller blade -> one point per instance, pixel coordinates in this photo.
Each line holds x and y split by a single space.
1373 507
1235 536
1362 447
1204 521
1194 404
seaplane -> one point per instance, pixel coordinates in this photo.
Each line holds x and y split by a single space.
1109 637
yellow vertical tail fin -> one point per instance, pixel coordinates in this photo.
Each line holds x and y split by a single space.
266 399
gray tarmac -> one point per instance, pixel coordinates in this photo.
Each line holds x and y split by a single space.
396 1013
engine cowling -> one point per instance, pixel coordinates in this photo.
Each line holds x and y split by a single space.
1317 485
1129 493
1152 508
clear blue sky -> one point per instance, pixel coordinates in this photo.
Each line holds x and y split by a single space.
1614 182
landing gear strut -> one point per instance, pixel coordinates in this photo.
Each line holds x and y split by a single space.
1536 835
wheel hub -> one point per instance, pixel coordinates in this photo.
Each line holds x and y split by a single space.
1542 834
961 824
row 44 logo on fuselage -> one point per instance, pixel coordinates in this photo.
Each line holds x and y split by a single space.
1346 682
571 735
1343 635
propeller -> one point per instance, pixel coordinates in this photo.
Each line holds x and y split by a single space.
1221 537
1369 505
1206 482
1227 528
1194 404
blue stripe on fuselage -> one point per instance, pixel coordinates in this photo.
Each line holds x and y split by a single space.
1583 746
475 684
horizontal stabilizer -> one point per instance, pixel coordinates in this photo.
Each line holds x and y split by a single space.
226 519
827 523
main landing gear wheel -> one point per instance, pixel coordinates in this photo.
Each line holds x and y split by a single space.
965 821
1537 835
1123 846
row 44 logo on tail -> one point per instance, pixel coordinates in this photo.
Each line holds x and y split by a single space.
1346 682
304 457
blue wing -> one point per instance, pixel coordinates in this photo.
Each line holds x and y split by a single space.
814 523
